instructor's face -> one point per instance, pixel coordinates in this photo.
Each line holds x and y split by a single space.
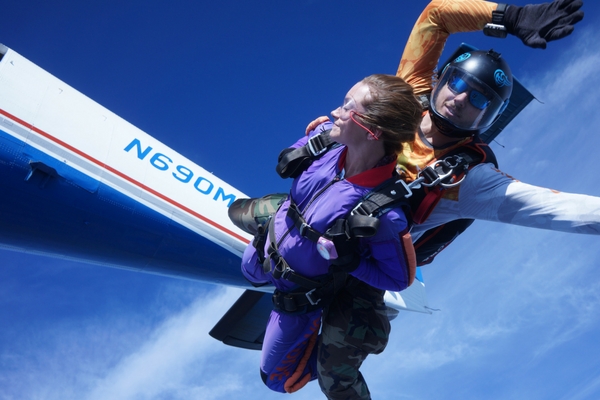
456 107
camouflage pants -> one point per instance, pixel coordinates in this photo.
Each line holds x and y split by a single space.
354 325
247 214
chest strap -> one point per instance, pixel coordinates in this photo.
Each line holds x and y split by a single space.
382 198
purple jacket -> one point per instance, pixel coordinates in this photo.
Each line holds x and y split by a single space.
323 197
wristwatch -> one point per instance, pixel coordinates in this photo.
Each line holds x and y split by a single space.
496 28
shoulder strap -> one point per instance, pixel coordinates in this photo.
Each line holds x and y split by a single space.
390 193
292 162
363 218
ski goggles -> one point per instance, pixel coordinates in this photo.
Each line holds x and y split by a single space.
458 85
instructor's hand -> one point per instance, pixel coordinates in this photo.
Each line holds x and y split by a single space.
316 123
537 24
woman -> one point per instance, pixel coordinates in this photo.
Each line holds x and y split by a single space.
378 114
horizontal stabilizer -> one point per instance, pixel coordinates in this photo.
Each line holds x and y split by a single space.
413 298
243 325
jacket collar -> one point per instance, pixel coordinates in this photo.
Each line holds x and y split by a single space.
373 177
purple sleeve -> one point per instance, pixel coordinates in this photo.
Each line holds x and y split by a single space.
384 264
252 268
320 128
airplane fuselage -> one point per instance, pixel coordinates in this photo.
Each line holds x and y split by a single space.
79 182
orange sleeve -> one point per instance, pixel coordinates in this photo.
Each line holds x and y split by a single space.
428 37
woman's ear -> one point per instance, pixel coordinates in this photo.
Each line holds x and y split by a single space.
376 132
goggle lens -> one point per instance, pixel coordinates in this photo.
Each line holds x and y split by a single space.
476 98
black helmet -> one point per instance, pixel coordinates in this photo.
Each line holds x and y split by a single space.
487 81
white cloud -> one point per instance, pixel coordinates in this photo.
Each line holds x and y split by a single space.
161 364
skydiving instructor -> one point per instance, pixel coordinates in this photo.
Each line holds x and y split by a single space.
470 94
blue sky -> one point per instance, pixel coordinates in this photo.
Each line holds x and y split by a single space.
228 84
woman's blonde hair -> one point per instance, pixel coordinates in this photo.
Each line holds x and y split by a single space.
393 108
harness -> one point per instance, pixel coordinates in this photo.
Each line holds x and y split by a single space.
446 173
361 222
460 160
292 162
418 199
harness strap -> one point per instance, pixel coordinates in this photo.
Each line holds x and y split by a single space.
259 241
300 223
282 269
292 162
382 198
443 174
304 300
427 205
312 293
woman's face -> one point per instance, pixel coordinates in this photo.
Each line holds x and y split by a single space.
345 130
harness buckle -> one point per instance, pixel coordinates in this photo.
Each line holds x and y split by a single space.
431 175
281 269
406 187
302 229
458 162
315 146
358 210
405 191
286 273
309 297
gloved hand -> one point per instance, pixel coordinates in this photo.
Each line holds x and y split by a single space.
537 24
348 258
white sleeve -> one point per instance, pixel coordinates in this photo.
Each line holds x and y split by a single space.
491 195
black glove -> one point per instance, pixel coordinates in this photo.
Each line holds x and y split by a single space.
348 258
536 24
346 246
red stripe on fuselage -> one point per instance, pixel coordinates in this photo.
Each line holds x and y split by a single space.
127 178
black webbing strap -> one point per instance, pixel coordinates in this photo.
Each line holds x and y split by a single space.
282 270
302 301
304 229
312 293
383 197
259 241
293 162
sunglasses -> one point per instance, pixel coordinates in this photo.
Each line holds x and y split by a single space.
477 99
